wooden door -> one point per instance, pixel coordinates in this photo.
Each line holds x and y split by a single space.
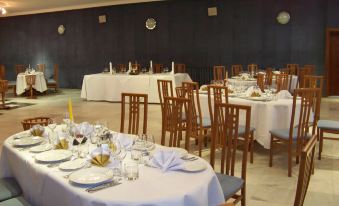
332 61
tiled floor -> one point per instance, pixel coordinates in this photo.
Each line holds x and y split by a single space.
265 186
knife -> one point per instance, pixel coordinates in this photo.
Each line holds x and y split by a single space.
102 186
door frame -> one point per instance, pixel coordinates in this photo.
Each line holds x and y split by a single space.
329 32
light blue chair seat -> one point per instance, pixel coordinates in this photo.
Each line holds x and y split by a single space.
241 130
230 185
51 81
9 188
285 133
328 124
17 201
11 83
206 122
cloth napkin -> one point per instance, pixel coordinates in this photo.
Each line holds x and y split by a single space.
244 76
251 90
37 130
203 87
167 160
126 140
84 129
100 156
284 94
62 142
276 72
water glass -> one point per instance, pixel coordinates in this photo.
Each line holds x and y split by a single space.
131 171
83 150
136 155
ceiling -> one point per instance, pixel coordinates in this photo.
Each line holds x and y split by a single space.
23 7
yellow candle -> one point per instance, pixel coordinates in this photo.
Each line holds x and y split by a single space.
70 109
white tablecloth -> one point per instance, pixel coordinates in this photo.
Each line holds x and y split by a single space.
265 116
109 87
44 186
40 83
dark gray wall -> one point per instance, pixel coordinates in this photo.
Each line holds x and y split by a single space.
245 31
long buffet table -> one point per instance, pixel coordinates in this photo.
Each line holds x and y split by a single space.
107 87
47 186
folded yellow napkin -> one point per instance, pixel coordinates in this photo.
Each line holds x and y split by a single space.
62 144
100 160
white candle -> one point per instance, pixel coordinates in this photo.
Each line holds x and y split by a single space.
172 71
151 64
129 66
110 68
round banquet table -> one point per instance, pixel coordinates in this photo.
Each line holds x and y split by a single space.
47 186
40 82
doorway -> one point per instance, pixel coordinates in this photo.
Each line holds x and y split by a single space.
332 61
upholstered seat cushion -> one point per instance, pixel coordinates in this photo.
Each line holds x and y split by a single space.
328 124
11 83
206 122
241 130
285 133
51 81
17 201
230 184
9 188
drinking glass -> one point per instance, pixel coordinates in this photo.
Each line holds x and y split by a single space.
83 150
131 170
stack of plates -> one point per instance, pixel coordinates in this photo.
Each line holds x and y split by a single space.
53 156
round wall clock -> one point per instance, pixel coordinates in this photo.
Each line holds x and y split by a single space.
61 29
151 24
283 17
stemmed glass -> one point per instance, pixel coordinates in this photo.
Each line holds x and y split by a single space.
52 125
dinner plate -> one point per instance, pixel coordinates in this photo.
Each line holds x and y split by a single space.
28 141
41 148
73 165
194 166
91 176
53 156
257 98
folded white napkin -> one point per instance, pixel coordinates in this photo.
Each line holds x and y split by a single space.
276 72
102 150
167 160
252 89
245 76
126 140
284 94
203 87
38 130
84 129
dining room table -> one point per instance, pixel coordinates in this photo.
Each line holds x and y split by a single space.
43 184
108 87
21 84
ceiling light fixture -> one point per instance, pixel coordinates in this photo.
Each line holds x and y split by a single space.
3 11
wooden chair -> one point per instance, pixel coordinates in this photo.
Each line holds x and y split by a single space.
282 81
176 118
261 81
54 82
41 68
19 68
269 76
180 92
122 68
311 81
2 71
252 68
236 69
3 90
30 122
165 89
179 68
326 126
137 66
293 69
30 80
299 135
10 84
199 126
135 102
310 69
219 73
285 71
225 128
301 76
158 68
305 171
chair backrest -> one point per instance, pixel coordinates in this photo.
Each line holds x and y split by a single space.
261 81
136 102
252 68
137 66
180 92
219 73
311 81
269 76
177 113
305 171
293 69
310 69
2 71
165 89
179 68
19 68
236 69
157 68
285 71
307 101
56 73
30 79
41 68
3 85
216 94
301 76
121 67
225 127
30 122
282 81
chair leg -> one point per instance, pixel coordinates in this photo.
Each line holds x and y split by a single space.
289 160
200 144
252 147
321 139
243 194
14 90
271 152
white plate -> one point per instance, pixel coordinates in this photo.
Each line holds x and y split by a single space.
257 98
90 176
41 148
194 166
27 141
73 165
54 156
